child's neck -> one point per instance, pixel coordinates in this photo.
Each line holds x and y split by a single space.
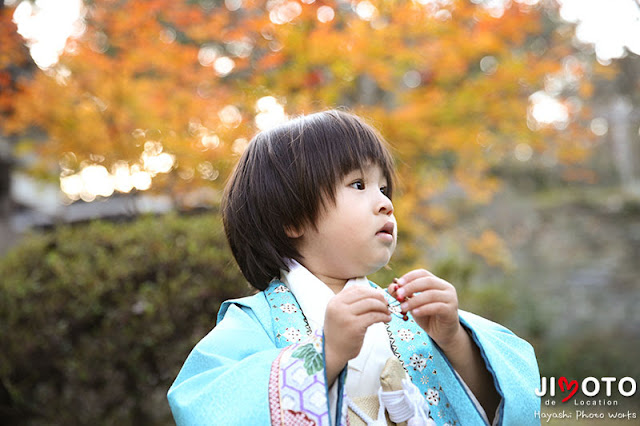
335 284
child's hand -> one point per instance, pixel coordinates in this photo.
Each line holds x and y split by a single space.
433 302
349 314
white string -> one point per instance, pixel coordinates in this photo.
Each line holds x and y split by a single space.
398 405
406 405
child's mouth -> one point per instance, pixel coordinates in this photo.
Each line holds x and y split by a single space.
387 231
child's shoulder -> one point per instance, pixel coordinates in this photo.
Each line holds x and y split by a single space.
476 321
487 332
257 303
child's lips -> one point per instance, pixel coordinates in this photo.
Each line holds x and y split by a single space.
387 229
386 232
386 238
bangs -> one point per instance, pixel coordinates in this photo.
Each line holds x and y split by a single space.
344 143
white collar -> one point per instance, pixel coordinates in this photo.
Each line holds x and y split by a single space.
312 294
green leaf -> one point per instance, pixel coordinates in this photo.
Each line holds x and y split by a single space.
314 364
303 351
312 360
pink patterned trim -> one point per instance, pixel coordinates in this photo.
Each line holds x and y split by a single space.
296 418
277 417
345 417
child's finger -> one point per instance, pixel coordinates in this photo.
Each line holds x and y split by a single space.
374 317
426 298
437 308
393 288
420 285
412 275
369 304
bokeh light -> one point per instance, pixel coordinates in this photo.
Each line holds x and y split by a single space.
208 54
223 66
230 116
366 10
270 113
599 126
233 5
546 110
94 180
523 152
239 145
46 25
240 48
207 171
412 79
122 177
611 26
325 14
282 12
489 65
209 140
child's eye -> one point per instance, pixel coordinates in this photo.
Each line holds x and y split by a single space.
359 184
385 190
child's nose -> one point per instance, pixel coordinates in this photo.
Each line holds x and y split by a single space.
385 207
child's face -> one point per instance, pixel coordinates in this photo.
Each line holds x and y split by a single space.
357 235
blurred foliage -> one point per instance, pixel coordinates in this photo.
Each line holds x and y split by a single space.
97 319
447 83
14 59
495 301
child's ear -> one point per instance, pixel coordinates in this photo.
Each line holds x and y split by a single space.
293 232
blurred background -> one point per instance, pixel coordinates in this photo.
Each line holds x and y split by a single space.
515 125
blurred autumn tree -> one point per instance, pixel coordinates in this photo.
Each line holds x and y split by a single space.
14 62
447 82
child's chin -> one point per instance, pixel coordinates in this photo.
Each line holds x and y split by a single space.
378 266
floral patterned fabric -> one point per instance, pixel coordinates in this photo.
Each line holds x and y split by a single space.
298 392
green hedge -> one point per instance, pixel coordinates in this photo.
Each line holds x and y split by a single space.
96 319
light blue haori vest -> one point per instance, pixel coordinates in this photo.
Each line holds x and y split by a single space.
262 364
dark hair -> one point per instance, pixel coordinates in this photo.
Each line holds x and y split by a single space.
285 177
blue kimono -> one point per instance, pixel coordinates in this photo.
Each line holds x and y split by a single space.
263 365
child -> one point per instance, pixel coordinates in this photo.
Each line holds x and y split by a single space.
308 215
